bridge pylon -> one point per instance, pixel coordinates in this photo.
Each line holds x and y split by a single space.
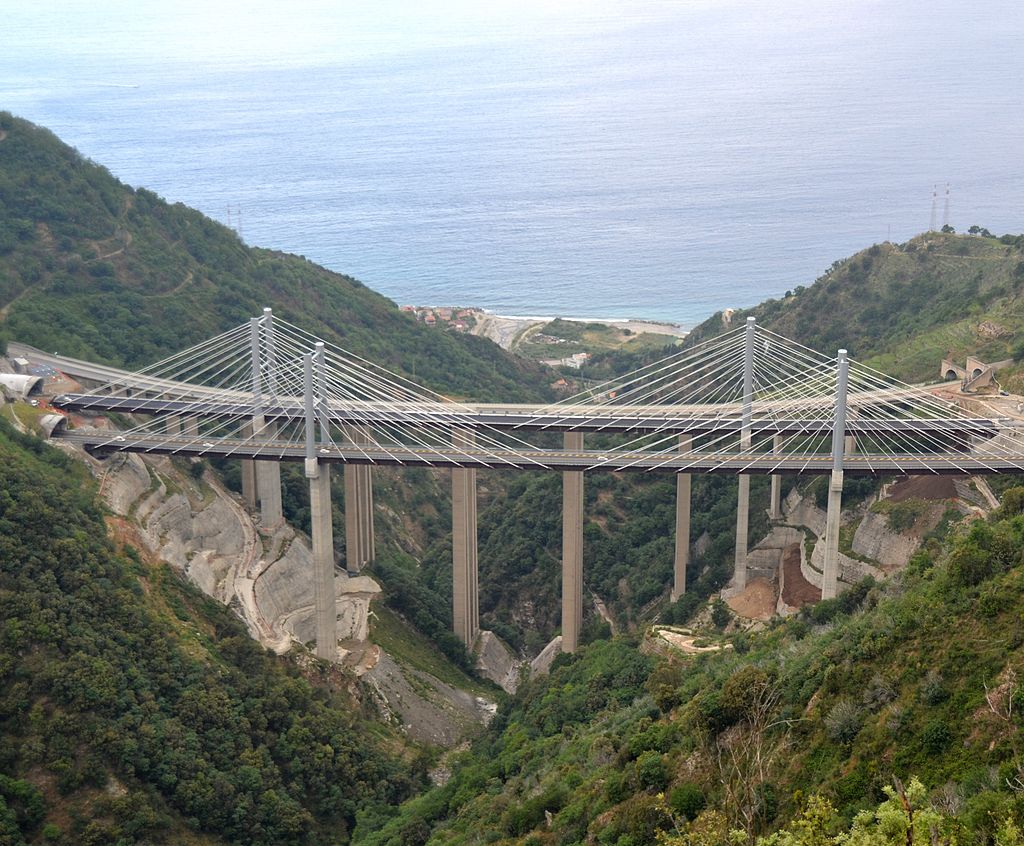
465 565
321 519
572 548
830 574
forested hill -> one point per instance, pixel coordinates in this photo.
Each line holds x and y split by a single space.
804 725
133 709
902 307
94 268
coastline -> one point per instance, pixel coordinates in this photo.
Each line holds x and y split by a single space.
507 329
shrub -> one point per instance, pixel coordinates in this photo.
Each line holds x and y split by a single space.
933 689
878 692
936 737
720 615
651 772
843 722
687 800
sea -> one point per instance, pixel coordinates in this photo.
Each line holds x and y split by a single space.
658 159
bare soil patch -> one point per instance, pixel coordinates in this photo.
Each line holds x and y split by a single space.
757 602
796 591
923 487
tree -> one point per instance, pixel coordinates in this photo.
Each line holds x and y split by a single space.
747 753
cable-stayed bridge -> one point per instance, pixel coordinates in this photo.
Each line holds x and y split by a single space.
748 401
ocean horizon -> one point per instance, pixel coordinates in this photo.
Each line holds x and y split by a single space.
659 159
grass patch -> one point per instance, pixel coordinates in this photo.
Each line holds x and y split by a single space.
562 338
846 533
901 516
27 415
409 648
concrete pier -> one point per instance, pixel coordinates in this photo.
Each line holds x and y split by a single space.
830 575
268 481
739 578
465 567
840 444
248 467
323 559
359 534
572 549
173 425
682 554
775 507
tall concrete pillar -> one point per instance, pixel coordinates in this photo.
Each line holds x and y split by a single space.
830 573
739 578
173 424
192 426
323 560
465 570
775 509
249 474
572 548
268 482
321 525
682 556
359 532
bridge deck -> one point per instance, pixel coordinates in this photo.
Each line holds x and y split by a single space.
730 463
640 419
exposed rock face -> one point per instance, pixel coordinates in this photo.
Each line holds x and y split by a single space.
497 662
851 570
125 481
206 532
203 531
542 663
874 539
804 512
428 709
764 559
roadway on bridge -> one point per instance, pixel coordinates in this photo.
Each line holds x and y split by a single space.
728 463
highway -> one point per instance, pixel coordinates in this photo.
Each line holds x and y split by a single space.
198 400
730 463
578 419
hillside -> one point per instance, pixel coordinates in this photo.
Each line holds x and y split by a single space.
136 710
96 269
903 307
133 709
917 677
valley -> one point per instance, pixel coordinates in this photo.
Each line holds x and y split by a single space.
159 677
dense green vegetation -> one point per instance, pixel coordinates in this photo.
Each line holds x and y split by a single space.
903 307
563 338
629 539
135 710
99 270
918 677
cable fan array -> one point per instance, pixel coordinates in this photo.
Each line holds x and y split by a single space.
747 400
245 388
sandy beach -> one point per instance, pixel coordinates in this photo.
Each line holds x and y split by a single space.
506 330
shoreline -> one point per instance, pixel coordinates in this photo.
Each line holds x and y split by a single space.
506 329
